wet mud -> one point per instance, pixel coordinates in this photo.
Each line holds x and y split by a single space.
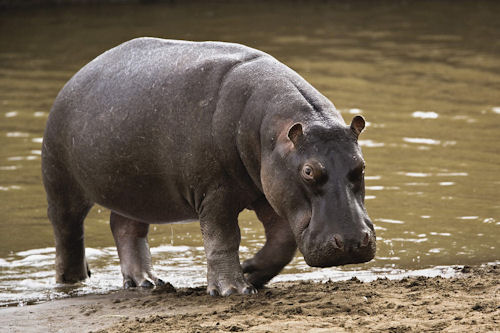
468 302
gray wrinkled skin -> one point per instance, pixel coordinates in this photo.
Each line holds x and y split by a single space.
162 131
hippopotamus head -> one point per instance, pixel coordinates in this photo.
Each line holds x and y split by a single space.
314 177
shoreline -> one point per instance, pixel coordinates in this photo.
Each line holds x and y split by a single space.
470 301
365 275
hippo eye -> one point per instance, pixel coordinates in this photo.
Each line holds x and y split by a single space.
357 174
308 172
313 173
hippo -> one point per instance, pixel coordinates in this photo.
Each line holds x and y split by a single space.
165 131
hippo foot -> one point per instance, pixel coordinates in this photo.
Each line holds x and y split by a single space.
146 280
73 274
258 276
267 263
226 287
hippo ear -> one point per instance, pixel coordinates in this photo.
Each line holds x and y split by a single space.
357 125
295 133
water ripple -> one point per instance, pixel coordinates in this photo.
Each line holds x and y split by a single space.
392 221
11 114
425 115
422 141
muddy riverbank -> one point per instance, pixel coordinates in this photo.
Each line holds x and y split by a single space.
468 302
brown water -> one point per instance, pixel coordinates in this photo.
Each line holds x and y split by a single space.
426 76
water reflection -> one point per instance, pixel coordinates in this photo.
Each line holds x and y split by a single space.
426 82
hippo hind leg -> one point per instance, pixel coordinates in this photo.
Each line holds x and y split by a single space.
133 249
67 209
278 251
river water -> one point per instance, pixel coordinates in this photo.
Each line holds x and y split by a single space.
426 76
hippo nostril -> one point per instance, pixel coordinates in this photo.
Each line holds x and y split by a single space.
365 240
338 242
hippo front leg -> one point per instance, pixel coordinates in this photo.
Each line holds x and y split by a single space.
221 238
133 249
278 251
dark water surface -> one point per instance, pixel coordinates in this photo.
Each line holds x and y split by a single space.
426 76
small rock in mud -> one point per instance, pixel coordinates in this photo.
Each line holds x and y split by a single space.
235 328
478 307
167 288
466 269
293 311
355 279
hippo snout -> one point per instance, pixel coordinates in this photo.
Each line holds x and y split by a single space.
365 239
338 249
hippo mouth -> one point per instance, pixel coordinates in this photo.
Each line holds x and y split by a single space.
328 257
320 251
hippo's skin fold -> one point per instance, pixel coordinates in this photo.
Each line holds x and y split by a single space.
163 131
